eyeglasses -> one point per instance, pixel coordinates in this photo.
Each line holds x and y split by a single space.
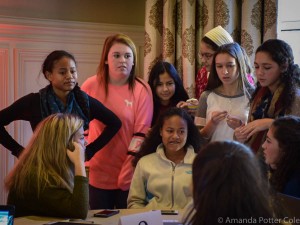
206 55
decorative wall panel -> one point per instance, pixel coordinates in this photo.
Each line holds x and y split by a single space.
24 44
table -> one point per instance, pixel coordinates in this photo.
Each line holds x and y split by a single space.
113 220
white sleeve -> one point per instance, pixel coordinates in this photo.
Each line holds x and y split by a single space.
137 192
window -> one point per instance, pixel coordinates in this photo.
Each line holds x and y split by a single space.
289 25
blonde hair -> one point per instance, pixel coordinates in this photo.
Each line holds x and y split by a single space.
44 162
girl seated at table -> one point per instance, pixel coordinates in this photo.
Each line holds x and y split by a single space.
228 186
282 154
50 178
163 172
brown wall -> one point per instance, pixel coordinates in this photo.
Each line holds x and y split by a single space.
128 12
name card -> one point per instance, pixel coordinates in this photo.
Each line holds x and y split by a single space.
146 218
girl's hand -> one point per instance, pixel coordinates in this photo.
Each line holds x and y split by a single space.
77 157
239 136
256 126
190 105
182 104
217 116
234 122
210 127
78 154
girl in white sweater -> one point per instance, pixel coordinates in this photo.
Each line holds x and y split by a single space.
163 173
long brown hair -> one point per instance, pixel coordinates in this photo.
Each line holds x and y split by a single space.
282 54
287 133
237 52
227 183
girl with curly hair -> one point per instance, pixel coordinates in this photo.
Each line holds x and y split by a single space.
277 93
282 154
163 172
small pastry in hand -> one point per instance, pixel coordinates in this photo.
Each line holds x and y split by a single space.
192 103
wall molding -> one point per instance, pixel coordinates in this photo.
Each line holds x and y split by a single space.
6 161
64 31
24 44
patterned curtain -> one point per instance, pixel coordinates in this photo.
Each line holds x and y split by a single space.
174 28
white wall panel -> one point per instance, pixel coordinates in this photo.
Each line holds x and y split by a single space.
24 44
6 161
288 27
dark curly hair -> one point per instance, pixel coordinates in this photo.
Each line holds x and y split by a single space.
154 138
286 130
282 53
180 93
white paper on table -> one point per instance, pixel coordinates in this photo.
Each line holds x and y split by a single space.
146 218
